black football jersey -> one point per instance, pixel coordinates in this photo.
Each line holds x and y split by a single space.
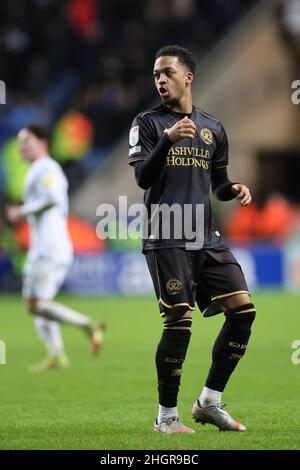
186 175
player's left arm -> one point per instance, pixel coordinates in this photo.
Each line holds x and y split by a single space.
222 187
225 190
242 192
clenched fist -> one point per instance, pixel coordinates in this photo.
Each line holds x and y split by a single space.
185 128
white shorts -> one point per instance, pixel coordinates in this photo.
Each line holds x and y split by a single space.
43 278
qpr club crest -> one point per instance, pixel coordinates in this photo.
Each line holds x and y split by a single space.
206 135
174 286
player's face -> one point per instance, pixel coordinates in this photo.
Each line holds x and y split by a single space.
172 79
30 146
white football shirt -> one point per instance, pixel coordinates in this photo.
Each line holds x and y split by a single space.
46 208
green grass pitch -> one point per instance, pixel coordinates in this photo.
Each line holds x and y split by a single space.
109 402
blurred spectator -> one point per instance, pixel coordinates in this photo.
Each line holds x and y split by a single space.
241 224
84 16
291 18
276 220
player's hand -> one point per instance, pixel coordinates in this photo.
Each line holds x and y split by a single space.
14 214
242 193
185 128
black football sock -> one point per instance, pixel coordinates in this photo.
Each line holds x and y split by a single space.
170 356
230 345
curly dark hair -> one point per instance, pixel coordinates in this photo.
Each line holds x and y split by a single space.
184 55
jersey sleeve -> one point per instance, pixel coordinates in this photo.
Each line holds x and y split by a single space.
142 140
220 157
48 183
46 193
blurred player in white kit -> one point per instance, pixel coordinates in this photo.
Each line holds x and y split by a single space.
50 252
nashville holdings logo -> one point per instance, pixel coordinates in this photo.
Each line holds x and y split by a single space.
188 156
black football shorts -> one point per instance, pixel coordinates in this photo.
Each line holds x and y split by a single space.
183 278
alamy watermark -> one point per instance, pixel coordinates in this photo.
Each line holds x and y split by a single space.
295 97
2 92
295 357
159 222
2 352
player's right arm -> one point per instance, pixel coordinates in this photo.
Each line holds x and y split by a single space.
46 194
183 129
147 151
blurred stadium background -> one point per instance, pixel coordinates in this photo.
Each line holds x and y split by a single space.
84 68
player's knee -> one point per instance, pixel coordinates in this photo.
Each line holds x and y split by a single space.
181 327
177 313
178 322
235 300
243 315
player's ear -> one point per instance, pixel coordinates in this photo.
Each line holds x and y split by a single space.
189 78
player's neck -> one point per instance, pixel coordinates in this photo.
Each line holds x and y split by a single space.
184 106
39 157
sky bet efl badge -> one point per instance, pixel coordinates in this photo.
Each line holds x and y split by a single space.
206 135
134 136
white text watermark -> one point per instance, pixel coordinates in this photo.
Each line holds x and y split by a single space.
2 352
295 97
2 92
159 222
295 357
